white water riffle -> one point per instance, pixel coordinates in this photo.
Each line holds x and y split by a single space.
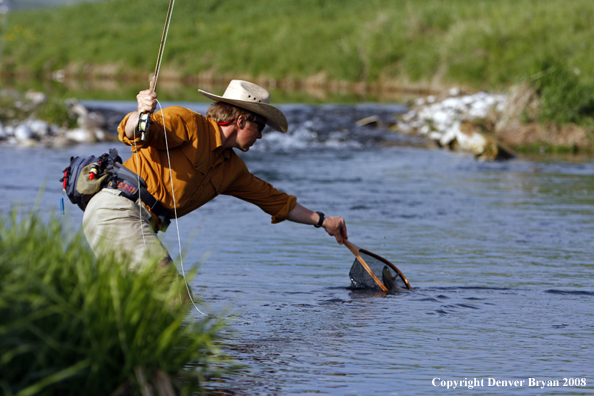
310 126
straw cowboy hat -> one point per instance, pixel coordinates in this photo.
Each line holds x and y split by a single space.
253 98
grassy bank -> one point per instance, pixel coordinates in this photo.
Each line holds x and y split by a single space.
71 325
358 44
483 44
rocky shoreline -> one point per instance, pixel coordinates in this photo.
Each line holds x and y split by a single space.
455 121
33 120
485 125
492 126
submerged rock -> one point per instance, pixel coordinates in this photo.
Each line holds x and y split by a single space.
369 121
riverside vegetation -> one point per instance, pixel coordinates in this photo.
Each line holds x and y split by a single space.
72 324
366 46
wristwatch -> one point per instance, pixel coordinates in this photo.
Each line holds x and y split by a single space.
321 221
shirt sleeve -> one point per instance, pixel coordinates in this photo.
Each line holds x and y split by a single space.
262 194
179 121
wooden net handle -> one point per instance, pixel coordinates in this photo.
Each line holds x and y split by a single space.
355 250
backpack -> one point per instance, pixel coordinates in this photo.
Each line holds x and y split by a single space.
86 176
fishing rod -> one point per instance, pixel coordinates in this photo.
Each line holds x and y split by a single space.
144 119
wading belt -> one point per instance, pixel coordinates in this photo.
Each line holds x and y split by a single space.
126 181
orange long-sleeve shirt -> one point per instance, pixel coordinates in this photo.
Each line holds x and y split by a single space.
201 169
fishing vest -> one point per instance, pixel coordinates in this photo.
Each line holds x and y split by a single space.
86 176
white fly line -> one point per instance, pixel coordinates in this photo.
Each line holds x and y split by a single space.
153 87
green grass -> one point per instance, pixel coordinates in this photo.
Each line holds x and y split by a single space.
479 44
71 324
56 111
565 98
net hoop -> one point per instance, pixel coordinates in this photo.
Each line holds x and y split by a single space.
392 266
355 250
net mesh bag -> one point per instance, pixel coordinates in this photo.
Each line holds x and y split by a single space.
385 271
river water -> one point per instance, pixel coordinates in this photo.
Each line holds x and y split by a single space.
499 255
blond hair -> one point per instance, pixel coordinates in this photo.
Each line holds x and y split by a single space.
225 112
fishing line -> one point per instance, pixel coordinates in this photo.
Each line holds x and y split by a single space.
137 161
181 261
153 86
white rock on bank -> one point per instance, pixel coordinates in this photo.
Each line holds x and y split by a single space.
435 136
32 132
448 136
78 109
91 121
442 121
441 116
23 133
60 141
472 141
81 135
100 135
40 128
54 129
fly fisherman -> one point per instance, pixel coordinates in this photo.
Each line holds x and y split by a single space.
203 165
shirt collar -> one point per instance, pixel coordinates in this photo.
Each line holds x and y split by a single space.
217 142
216 132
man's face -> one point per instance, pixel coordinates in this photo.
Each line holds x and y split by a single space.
247 136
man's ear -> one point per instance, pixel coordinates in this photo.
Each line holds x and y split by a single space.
242 121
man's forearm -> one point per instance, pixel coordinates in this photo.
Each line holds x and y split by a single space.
131 125
334 226
147 102
300 214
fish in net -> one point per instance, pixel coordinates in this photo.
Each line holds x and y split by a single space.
384 271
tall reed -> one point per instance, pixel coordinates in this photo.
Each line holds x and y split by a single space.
74 325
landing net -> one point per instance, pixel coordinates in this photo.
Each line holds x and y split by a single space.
384 270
